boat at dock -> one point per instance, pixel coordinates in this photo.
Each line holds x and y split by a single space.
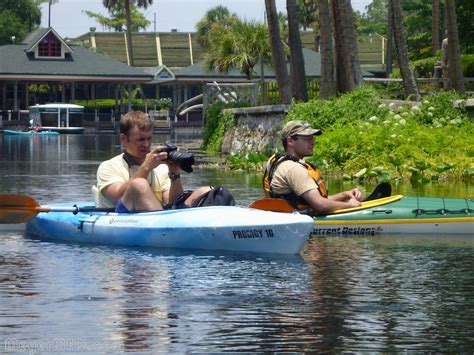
58 117
9 132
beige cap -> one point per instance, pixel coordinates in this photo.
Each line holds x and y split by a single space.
299 128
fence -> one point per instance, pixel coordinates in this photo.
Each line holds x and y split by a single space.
225 92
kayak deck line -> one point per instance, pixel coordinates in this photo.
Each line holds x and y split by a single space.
395 221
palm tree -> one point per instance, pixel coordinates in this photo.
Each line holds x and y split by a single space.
348 74
435 41
328 80
297 70
278 55
411 89
308 18
126 3
454 55
217 16
240 46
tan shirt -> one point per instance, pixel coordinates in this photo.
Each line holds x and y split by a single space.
117 170
291 176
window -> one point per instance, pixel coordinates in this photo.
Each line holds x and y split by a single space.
50 46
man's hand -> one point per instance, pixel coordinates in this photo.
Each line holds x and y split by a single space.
355 193
154 158
353 202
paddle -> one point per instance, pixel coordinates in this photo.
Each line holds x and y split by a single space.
384 189
272 204
22 208
279 205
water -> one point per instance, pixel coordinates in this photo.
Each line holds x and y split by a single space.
381 294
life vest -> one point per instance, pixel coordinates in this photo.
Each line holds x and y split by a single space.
292 198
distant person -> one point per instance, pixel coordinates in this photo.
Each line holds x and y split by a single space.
289 177
445 63
142 179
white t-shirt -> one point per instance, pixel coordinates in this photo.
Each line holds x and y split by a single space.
117 170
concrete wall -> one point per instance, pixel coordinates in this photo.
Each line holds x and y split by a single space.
257 129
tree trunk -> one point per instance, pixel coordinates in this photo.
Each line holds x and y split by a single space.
348 73
411 89
328 80
454 53
435 22
297 70
278 55
129 33
389 56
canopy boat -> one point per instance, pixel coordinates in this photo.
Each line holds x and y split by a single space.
227 228
401 214
9 132
58 117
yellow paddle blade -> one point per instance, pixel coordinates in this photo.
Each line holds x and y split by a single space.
17 208
370 204
272 204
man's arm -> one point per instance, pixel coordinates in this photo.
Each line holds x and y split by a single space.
115 190
347 195
322 205
176 185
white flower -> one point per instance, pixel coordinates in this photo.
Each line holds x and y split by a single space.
393 136
373 118
430 114
431 108
402 122
382 106
397 117
386 122
392 106
415 108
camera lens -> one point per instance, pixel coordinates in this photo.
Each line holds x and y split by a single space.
185 160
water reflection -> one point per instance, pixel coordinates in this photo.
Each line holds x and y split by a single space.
53 167
360 294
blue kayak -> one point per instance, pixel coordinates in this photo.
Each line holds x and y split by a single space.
229 228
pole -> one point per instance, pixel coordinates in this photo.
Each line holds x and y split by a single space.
49 13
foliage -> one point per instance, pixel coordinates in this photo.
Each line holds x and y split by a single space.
215 19
226 120
137 104
417 23
366 140
217 123
247 161
17 19
117 20
355 105
465 14
240 45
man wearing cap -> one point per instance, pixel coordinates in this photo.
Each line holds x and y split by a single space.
289 177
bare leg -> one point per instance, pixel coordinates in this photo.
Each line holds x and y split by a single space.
139 197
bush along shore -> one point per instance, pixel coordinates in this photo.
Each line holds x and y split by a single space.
366 139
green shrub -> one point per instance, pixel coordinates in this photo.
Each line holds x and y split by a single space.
366 140
217 123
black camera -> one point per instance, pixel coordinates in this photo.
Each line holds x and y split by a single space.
185 160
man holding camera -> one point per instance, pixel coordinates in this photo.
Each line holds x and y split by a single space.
141 179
